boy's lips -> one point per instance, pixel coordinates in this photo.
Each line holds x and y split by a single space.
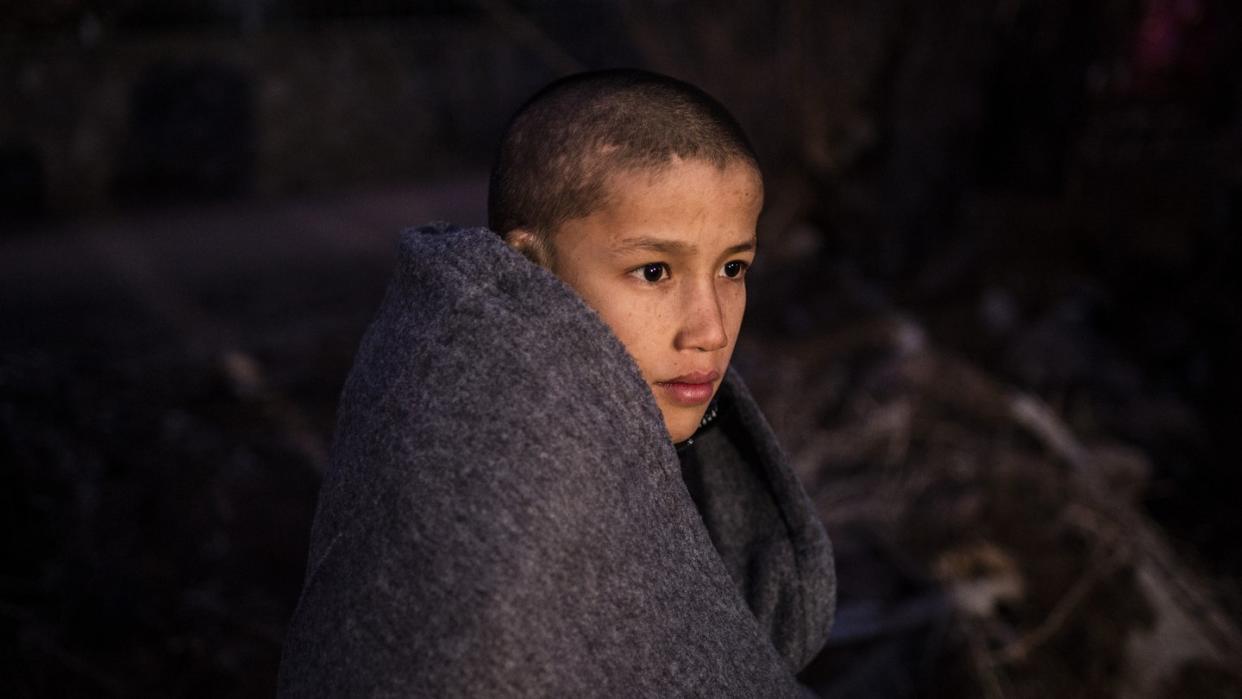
690 389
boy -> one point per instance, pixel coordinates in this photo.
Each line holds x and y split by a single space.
545 478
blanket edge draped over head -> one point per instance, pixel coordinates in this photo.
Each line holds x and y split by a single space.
504 515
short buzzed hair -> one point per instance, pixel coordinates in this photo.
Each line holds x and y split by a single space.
560 148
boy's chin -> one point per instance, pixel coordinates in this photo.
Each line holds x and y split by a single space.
682 425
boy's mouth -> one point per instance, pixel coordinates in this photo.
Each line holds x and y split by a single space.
690 389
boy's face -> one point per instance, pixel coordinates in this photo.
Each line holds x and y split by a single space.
664 262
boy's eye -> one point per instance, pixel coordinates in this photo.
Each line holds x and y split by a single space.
653 272
734 269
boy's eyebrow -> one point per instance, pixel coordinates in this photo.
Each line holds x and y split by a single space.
662 245
673 247
747 246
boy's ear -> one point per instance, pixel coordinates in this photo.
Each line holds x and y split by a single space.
532 247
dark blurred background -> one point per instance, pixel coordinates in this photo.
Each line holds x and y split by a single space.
991 318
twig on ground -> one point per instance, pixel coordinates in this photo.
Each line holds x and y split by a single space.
1020 649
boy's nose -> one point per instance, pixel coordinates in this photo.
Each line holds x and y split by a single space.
702 326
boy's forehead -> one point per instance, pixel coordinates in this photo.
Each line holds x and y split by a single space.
656 177
682 195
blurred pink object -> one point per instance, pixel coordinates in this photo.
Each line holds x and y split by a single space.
1173 40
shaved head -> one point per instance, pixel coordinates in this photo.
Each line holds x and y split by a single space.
562 146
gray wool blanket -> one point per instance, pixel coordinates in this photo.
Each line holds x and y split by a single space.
504 514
